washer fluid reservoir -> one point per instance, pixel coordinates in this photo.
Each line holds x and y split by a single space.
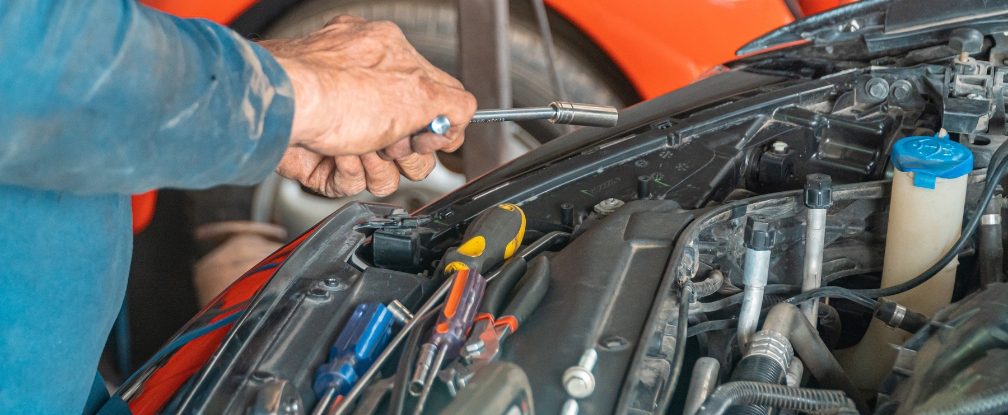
925 219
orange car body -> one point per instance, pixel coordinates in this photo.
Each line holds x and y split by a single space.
660 45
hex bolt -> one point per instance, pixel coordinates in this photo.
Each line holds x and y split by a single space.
877 88
608 206
578 380
902 90
569 408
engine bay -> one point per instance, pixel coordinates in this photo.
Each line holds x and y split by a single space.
812 229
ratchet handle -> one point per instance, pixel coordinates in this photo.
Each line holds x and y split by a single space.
558 112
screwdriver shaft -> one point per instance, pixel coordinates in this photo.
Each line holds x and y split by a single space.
422 399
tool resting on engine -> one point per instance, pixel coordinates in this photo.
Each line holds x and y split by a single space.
491 238
364 336
491 327
450 331
558 112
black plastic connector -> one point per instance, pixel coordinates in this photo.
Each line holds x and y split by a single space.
897 316
818 191
759 236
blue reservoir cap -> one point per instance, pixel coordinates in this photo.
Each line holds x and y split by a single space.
929 158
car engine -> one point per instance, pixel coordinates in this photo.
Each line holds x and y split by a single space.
815 227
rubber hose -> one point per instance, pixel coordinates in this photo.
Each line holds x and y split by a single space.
789 321
761 369
778 396
995 402
991 251
709 285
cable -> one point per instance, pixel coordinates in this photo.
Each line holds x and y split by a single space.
712 326
772 289
836 292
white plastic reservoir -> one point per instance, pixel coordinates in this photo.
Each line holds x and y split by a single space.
925 219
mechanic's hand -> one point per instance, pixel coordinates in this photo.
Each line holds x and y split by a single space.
348 175
361 94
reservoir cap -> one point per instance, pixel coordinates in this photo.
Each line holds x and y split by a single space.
929 158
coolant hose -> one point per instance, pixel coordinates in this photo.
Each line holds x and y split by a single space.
709 285
788 320
778 396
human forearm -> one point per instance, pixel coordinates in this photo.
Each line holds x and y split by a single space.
108 96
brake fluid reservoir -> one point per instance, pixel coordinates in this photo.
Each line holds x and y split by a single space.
925 219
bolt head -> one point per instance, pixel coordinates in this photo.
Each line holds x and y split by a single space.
902 90
877 88
578 382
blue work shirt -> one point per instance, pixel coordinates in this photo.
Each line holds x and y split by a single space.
100 99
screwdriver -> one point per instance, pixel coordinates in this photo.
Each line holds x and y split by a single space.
557 112
492 237
489 332
450 331
365 334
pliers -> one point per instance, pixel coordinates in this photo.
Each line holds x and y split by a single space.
484 342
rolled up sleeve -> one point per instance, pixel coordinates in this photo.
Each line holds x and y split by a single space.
108 96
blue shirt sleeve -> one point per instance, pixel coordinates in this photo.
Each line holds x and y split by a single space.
108 96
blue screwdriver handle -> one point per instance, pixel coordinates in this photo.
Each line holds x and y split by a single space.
364 336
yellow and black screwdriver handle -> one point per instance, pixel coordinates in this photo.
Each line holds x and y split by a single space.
492 238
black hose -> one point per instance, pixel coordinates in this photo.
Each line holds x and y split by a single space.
712 325
991 251
709 285
787 320
772 289
685 298
990 402
836 292
778 396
